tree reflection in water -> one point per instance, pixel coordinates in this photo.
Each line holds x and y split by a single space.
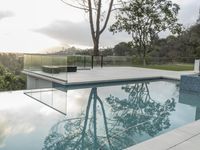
131 117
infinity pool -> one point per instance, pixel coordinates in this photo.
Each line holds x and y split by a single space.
97 117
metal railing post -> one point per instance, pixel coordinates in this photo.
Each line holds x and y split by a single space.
101 61
84 61
92 65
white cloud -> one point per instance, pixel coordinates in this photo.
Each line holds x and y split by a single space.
189 11
30 25
78 34
5 14
16 33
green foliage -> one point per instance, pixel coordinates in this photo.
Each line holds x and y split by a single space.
185 46
123 49
107 52
10 81
144 19
13 62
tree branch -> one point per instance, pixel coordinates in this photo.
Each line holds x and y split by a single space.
82 8
98 19
107 17
91 20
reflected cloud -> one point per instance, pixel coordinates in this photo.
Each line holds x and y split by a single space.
5 14
3 131
12 128
77 101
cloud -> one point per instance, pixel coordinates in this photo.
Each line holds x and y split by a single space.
78 34
5 14
189 11
68 32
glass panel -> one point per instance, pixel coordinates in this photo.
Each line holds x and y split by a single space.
27 62
59 67
36 62
43 72
50 67
117 61
53 98
83 62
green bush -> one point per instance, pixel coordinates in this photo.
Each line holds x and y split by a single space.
10 81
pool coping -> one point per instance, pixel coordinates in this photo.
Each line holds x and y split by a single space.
44 77
117 81
182 138
65 82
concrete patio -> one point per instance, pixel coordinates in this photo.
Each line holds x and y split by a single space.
106 74
115 73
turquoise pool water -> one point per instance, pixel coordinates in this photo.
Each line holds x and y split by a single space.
97 117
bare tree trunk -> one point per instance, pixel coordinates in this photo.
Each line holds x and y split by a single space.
95 27
96 47
144 61
96 32
144 54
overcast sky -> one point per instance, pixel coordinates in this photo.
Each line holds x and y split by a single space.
33 25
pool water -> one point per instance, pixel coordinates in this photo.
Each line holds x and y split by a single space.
97 117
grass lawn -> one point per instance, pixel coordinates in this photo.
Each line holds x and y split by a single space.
172 67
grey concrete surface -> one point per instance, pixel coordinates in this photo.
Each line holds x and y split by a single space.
183 138
107 73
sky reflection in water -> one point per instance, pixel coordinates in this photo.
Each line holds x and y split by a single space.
111 117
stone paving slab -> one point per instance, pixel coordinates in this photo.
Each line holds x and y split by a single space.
192 144
183 138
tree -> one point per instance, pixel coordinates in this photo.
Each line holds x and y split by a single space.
123 49
194 41
184 48
96 16
12 61
107 52
144 20
10 81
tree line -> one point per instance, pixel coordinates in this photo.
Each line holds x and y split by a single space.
185 47
143 20
11 78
